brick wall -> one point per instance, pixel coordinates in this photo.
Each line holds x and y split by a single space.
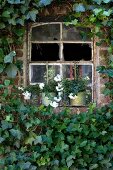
103 60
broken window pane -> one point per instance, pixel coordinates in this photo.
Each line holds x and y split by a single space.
77 52
45 52
48 32
76 33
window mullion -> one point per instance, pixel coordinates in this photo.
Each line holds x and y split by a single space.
61 51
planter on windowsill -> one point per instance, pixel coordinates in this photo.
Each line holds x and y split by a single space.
46 99
80 99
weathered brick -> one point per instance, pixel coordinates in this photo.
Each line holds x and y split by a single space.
19 53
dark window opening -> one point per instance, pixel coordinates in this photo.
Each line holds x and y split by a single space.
45 52
76 52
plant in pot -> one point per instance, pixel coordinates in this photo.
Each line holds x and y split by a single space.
75 90
48 91
51 91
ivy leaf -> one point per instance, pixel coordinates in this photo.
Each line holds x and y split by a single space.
16 133
69 160
69 163
9 58
32 15
98 1
93 166
1 68
2 25
1 139
12 21
20 32
6 14
11 70
26 165
30 139
97 11
5 125
106 1
20 21
45 2
79 7
23 109
107 13
83 143
7 82
74 22
16 1
38 140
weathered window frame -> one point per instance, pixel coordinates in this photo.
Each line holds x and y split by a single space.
91 62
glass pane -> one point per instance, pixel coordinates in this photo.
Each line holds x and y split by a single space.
37 73
84 71
43 73
68 71
73 71
76 33
53 70
48 32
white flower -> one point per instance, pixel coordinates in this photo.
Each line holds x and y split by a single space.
59 88
20 88
87 78
57 99
54 104
26 95
60 93
57 78
41 85
71 96
59 85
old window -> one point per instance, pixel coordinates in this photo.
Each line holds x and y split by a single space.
66 50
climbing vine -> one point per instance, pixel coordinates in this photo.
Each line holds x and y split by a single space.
33 137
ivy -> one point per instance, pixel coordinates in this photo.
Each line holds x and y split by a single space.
45 2
33 137
79 8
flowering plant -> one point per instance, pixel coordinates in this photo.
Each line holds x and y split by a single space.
51 91
73 87
52 86
34 89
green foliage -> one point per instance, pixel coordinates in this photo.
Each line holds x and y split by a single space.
8 66
50 87
30 139
33 137
75 86
79 7
34 89
9 58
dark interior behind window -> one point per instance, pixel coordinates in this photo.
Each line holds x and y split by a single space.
45 52
76 52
